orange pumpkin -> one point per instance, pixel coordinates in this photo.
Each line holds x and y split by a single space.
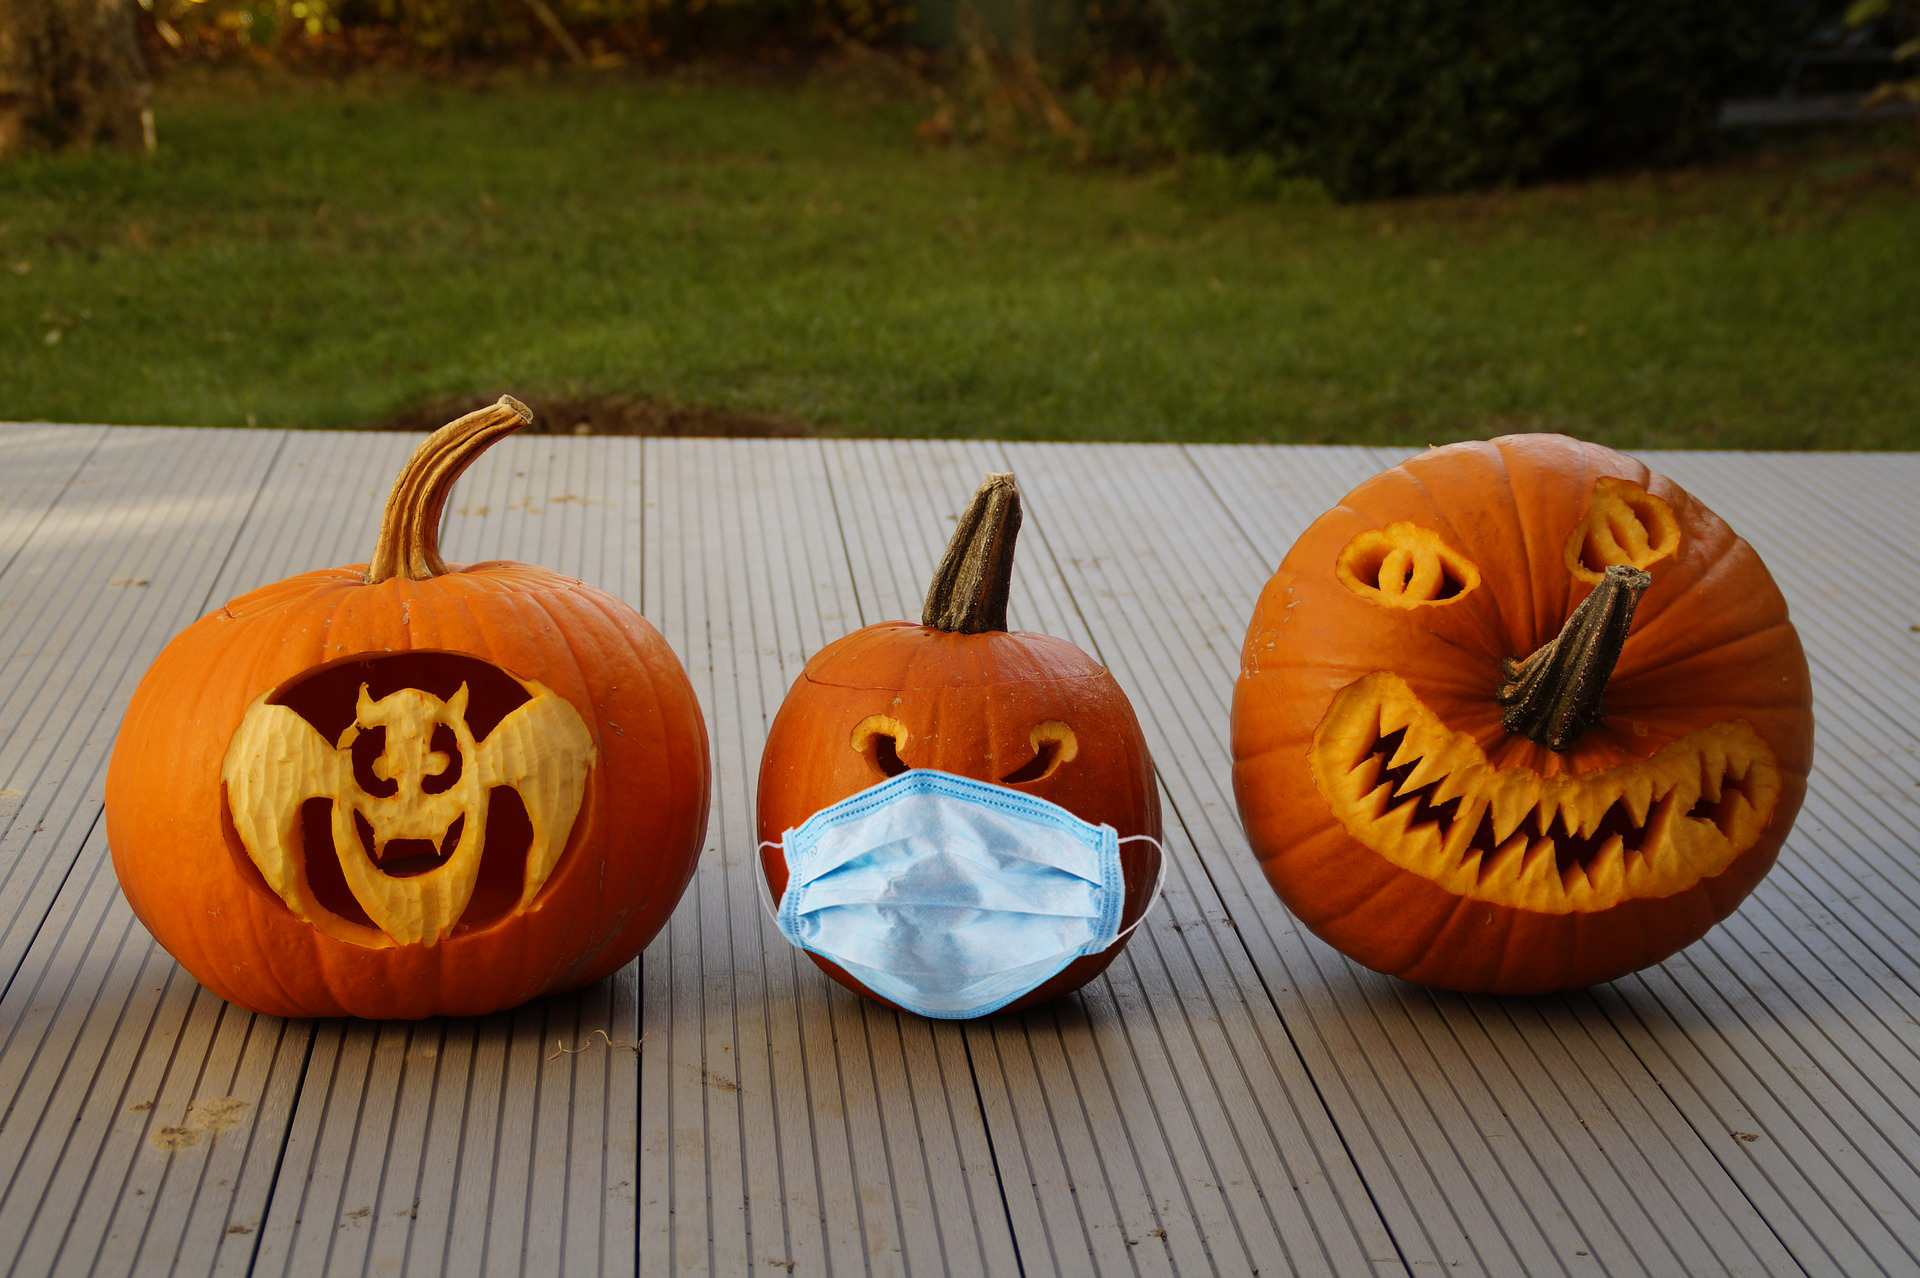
410 788
962 694
1519 716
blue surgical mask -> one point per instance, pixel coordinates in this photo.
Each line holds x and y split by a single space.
948 896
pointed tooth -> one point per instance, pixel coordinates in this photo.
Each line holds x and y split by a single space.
1713 765
1502 869
1607 869
1428 769
1364 775
1712 769
1511 803
1469 869
1457 783
1407 751
1376 800
1395 714
1739 762
1392 822
1546 810
1737 809
1539 852
1637 794
1459 842
1587 810
1659 829
1575 883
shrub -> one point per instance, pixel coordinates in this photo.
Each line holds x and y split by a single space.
492 29
1401 96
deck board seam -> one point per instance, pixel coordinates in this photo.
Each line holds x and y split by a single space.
1766 1173
1215 888
66 486
1706 1146
1037 527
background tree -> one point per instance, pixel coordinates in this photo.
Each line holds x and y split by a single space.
71 75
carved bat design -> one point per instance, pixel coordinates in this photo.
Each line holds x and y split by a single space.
277 761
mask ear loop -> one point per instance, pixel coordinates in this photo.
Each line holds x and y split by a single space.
766 893
1159 882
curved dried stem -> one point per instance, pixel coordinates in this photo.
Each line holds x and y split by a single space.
409 544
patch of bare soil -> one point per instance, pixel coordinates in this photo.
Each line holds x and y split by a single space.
609 415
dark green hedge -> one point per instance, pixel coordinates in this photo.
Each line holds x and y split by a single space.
1392 97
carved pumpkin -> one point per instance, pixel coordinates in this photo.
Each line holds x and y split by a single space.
410 788
1519 716
962 694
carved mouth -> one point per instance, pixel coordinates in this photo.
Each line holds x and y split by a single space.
1426 798
408 858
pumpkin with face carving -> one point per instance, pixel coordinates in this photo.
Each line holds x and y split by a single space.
1519 716
961 694
410 788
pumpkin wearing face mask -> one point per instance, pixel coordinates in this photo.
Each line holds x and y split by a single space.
410 788
1519 716
960 694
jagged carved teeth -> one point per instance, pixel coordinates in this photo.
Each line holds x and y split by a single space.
1427 798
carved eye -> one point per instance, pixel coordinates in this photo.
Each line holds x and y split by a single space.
1405 566
880 737
1624 524
1053 745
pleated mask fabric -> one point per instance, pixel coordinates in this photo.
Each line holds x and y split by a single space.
949 896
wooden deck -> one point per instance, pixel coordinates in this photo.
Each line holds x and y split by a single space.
1232 1097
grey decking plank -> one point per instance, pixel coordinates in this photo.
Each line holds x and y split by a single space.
897 503
949 1211
1083 1093
852 1137
1224 1034
127 1050
37 462
1452 1131
1165 1120
1822 1047
111 577
1133 569
1762 508
420 1111
106 576
211 1228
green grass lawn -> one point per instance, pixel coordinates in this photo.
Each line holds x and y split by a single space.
314 254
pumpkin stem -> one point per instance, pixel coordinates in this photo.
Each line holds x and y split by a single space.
970 587
409 544
1554 695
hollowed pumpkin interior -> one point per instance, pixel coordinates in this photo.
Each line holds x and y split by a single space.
1427 799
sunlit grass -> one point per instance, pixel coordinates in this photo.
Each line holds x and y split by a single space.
327 255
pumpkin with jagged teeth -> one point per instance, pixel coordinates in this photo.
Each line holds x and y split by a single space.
1519 716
